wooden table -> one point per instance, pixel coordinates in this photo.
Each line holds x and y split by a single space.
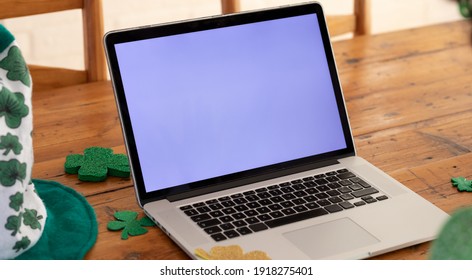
408 94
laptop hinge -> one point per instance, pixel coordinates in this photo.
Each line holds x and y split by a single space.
250 180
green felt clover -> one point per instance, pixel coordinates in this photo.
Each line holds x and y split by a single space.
10 171
462 184
454 241
9 143
96 164
12 107
22 244
128 223
15 64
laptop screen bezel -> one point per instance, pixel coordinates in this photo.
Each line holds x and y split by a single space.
243 177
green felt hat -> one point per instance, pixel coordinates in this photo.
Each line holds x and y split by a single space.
38 219
71 225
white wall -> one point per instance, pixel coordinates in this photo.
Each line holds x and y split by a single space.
55 39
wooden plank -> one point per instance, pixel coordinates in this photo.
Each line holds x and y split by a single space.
230 6
399 106
45 78
153 245
338 25
19 8
418 143
362 10
94 52
401 44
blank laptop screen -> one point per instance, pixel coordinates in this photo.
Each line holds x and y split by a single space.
215 102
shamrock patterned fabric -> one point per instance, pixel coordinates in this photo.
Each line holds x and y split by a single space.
22 213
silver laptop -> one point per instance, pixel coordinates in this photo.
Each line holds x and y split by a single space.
237 133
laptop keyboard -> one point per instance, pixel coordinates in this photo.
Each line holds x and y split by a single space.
277 205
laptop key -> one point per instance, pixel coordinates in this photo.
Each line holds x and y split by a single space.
209 223
253 205
263 210
310 198
335 199
251 213
231 233
228 211
265 202
240 200
216 214
201 217
226 219
364 192
216 206
312 205
212 230
346 196
382 197
360 203
288 211
252 220
346 175
258 227
333 208
218 237
186 207
241 208
264 195
276 214
252 198
324 202
259 190
228 203
211 201
239 223
296 217
239 216
264 217
227 226
346 205
300 208
244 230
191 212
203 209
287 189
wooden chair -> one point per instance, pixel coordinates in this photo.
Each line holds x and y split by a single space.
45 77
358 22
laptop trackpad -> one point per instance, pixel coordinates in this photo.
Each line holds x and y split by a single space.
330 238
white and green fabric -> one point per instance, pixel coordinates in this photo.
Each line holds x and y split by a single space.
22 212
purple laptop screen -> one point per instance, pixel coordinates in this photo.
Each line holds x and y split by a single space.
221 101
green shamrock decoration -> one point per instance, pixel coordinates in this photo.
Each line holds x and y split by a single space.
96 163
14 224
10 171
128 223
31 219
22 244
16 66
462 184
16 201
12 107
9 143
453 241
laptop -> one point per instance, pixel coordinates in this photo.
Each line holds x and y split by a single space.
237 134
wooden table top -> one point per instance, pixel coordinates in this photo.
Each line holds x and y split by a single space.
408 94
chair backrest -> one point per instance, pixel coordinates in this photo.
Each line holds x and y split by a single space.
45 77
357 23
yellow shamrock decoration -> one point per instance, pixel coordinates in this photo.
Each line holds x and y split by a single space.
232 252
